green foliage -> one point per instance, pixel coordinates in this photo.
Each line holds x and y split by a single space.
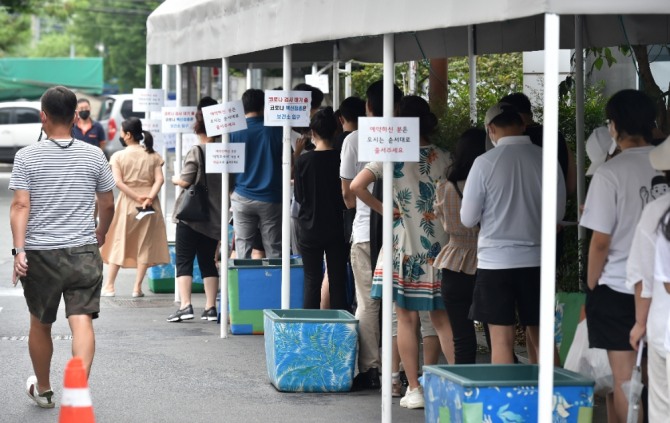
57 45
14 32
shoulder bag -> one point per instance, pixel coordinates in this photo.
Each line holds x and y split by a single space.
195 204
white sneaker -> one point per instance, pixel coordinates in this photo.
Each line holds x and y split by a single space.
413 398
45 399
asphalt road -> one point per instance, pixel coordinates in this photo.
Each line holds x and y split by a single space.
148 370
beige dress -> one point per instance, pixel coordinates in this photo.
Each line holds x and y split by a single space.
130 241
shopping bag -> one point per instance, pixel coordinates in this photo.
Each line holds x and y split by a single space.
589 362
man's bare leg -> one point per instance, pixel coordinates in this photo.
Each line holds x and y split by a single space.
83 339
41 348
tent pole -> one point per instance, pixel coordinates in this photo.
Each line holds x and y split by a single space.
286 195
336 77
472 61
225 207
347 80
178 157
549 215
579 104
165 84
250 67
387 294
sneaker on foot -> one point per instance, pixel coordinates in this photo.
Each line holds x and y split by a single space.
185 313
413 398
44 399
396 389
210 314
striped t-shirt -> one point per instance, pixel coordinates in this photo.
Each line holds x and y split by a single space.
62 183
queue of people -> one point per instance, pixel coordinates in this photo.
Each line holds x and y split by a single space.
466 233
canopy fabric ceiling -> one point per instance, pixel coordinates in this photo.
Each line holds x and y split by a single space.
254 31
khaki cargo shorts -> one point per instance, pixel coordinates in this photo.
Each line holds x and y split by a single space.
73 273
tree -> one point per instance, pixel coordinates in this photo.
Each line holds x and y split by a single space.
14 32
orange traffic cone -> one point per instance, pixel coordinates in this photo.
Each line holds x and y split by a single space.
76 405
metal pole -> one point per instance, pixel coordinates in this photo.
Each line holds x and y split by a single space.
250 68
347 80
225 207
411 84
549 204
387 219
165 84
336 76
472 61
178 156
579 112
286 196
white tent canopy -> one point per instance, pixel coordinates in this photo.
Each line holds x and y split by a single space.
252 31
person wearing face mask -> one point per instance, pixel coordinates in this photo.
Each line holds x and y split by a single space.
503 194
85 128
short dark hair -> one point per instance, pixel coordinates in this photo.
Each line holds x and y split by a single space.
470 145
415 106
317 94
375 97
59 104
253 100
83 100
324 124
520 101
632 112
509 117
352 108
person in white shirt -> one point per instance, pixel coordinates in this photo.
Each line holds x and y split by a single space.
503 193
612 210
650 255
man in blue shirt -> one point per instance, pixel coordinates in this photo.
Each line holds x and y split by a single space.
86 129
256 200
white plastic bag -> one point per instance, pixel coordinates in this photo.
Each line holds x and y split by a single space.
589 362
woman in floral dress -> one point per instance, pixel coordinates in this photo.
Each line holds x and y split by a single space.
417 239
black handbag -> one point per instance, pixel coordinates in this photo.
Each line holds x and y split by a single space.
194 206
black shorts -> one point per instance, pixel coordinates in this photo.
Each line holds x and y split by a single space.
73 273
501 293
610 315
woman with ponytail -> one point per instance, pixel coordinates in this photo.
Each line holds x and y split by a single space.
133 243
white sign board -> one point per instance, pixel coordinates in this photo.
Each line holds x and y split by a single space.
154 126
224 118
147 100
225 158
319 81
388 139
290 107
178 119
188 141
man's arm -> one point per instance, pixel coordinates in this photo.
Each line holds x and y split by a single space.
598 251
19 211
347 194
641 312
105 214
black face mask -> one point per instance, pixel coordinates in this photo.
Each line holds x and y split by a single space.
123 143
85 114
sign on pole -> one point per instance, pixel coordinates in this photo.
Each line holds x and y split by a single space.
225 158
388 139
224 118
154 126
187 142
147 100
178 119
287 107
320 81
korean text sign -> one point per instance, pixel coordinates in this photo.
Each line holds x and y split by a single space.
224 118
150 100
388 139
225 158
178 119
290 107
154 126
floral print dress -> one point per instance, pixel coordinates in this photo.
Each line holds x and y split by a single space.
418 236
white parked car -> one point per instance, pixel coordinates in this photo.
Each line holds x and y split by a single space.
20 125
114 110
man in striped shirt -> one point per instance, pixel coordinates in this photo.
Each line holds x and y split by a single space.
56 183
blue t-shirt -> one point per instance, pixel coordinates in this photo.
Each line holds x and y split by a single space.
261 180
93 136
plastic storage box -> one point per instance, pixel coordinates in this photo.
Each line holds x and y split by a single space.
162 278
502 393
311 350
254 285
